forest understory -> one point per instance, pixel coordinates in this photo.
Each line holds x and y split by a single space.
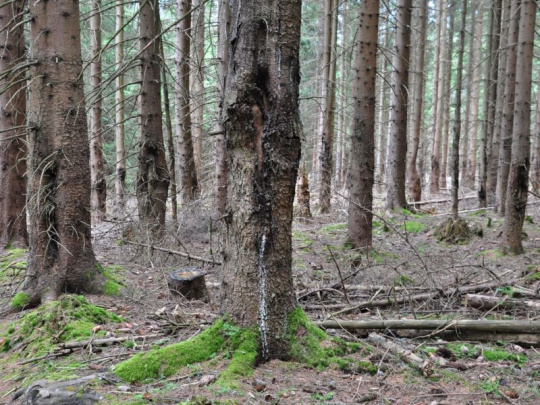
408 275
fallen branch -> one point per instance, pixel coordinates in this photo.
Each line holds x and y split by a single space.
486 302
406 355
104 342
174 252
479 325
418 297
418 203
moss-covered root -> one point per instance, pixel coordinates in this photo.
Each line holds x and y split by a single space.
220 337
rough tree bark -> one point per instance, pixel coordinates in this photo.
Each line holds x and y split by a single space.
505 152
61 257
13 148
328 129
382 124
98 198
153 174
397 145
518 178
189 187
362 163
413 178
120 178
221 151
264 141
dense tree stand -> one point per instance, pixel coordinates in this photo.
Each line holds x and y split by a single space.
61 258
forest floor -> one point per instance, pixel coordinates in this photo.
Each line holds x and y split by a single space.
407 261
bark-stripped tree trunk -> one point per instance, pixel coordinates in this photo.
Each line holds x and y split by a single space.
518 178
13 148
98 198
187 173
397 145
362 164
474 73
456 132
327 136
221 150
438 97
119 135
197 96
413 178
153 174
61 257
490 102
505 153
263 141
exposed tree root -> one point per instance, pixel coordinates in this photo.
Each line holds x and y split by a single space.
453 231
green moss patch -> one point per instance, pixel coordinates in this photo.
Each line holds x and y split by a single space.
501 355
112 273
12 264
413 226
334 228
20 301
39 331
239 344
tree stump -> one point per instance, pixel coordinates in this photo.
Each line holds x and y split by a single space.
189 282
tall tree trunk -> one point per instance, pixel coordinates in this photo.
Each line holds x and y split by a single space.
502 54
327 138
362 164
188 175
13 148
446 100
169 128
97 167
197 96
475 72
61 258
264 143
153 174
397 145
518 178
221 151
535 180
505 153
382 123
490 101
119 134
413 179
456 133
438 98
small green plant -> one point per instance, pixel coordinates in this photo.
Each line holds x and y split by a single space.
319 396
404 280
413 226
491 386
20 301
529 219
507 290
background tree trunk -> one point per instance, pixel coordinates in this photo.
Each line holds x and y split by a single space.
119 135
413 178
197 96
397 145
153 174
221 151
518 178
61 257
97 166
13 148
188 175
264 142
362 164
505 153
327 138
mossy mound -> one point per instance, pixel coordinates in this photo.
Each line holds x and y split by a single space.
12 264
453 231
240 345
37 332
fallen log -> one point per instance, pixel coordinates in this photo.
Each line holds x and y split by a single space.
478 325
486 302
406 355
418 297
446 200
